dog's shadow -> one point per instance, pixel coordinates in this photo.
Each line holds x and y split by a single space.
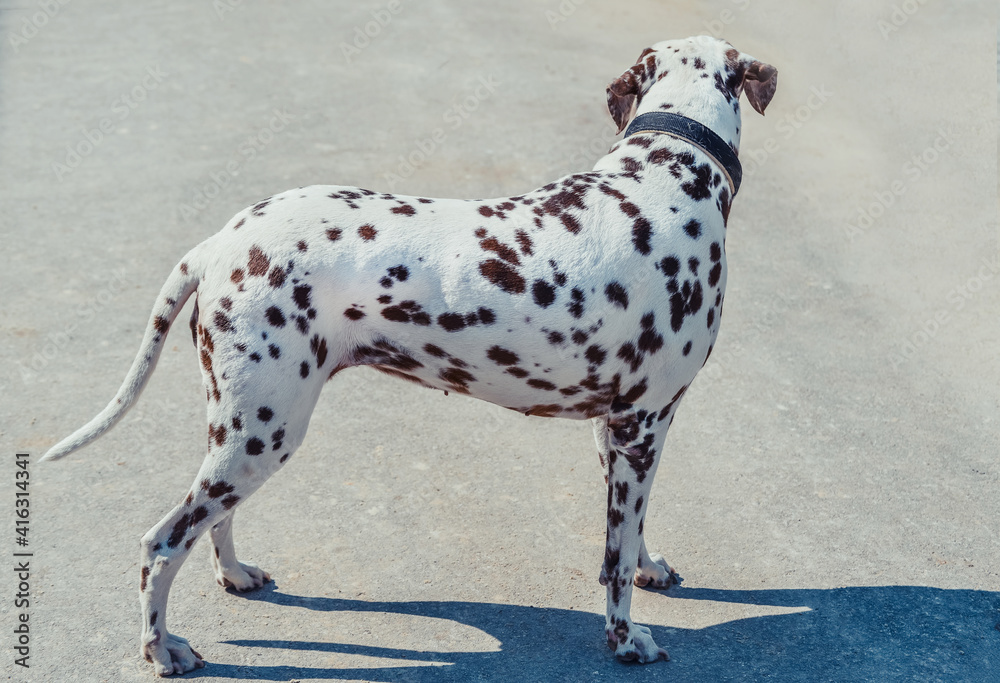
846 634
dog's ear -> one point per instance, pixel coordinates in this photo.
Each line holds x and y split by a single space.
759 83
622 99
625 91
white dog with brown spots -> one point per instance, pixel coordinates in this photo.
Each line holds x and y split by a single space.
595 297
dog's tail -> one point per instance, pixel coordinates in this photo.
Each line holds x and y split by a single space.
181 283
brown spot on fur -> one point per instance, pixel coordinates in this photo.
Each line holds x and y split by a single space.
616 294
570 223
503 276
629 208
219 488
275 316
524 240
206 339
608 190
258 263
401 375
277 277
502 356
395 314
435 351
199 514
367 232
458 379
660 156
452 322
177 533
222 321
501 249
546 410
213 435
635 392
725 204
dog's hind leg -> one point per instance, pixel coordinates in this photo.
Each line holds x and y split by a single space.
230 572
653 570
252 433
602 437
164 549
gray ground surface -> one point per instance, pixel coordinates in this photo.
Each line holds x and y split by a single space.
830 488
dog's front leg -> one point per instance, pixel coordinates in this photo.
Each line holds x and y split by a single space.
631 465
651 570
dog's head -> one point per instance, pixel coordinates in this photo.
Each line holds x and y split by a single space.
689 75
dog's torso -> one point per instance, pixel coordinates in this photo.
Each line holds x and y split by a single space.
600 286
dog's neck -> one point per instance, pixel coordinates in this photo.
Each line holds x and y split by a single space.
706 105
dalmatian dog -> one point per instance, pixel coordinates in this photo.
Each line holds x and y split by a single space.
596 297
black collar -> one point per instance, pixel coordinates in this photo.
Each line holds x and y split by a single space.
697 134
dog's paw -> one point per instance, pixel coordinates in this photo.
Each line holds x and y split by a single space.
171 654
658 575
242 577
634 643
